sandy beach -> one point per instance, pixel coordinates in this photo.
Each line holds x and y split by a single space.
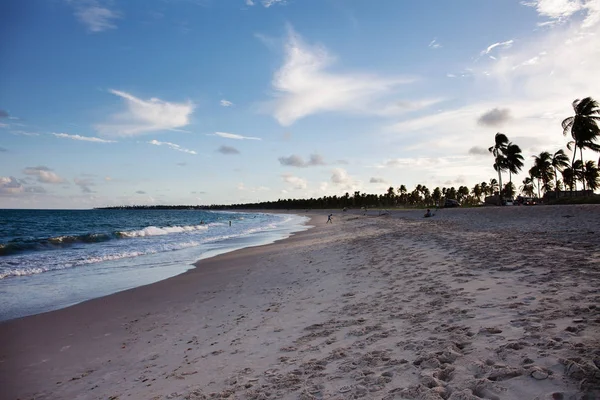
486 303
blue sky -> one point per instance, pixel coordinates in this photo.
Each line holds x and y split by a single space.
109 102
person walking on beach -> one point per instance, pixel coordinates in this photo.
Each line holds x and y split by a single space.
329 221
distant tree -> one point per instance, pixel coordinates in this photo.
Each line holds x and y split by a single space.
559 162
528 188
583 127
462 193
485 190
509 190
498 150
436 195
591 175
543 166
476 191
493 187
513 159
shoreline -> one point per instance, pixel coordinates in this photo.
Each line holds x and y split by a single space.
394 306
72 285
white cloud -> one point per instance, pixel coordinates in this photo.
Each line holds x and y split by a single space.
434 44
10 185
83 138
297 161
43 174
303 86
235 136
172 146
561 10
249 2
226 103
296 182
95 15
504 45
339 176
269 3
143 116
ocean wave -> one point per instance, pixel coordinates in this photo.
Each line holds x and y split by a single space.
156 231
19 246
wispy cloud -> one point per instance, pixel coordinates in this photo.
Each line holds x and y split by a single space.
95 15
561 10
144 116
434 44
303 86
226 103
228 150
504 45
4 114
297 161
269 3
377 180
172 146
82 138
84 184
43 174
234 136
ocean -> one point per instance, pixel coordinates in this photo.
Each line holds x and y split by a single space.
50 259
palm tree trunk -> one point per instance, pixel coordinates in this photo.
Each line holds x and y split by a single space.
500 183
574 179
538 185
582 170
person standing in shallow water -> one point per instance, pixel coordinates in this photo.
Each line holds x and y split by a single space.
329 221
229 223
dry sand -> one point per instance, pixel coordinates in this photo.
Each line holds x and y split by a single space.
491 303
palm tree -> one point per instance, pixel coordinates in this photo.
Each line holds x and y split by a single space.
559 162
498 150
591 175
493 186
514 159
568 178
528 188
583 127
484 188
476 191
543 167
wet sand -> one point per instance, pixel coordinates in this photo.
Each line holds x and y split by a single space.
487 303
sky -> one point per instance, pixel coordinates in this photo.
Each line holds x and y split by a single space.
119 102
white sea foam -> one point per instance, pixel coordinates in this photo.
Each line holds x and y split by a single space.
156 231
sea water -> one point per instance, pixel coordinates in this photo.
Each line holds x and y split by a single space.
50 259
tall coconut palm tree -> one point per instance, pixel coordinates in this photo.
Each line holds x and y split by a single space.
543 166
559 162
583 127
514 159
534 175
591 175
498 150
